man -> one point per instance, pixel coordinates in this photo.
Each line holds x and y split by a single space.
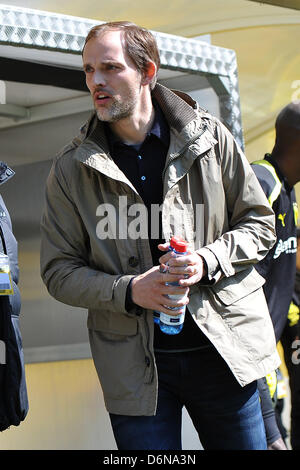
148 147
290 340
277 174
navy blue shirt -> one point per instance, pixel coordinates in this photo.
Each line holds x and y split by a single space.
143 165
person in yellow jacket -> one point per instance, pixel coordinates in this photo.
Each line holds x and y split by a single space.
277 173
290 341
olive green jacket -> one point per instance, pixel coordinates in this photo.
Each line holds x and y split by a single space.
212 198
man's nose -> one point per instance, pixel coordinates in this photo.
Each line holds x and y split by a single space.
99 78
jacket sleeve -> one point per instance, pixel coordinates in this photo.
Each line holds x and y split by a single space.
65 266
270 187
251 231
265 179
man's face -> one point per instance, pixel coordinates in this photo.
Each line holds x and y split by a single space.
111 77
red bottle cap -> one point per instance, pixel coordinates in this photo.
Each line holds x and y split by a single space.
179 244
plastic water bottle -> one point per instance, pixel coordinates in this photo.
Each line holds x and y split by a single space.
169 324
156 314
156 317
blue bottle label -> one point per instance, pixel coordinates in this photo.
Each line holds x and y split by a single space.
172 320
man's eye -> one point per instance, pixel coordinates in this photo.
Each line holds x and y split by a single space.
88 69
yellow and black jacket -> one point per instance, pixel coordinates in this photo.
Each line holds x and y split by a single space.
279 266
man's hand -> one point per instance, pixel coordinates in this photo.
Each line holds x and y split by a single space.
190 266
148 290
277 445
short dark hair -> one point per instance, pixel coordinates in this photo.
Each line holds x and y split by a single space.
287 124
139 43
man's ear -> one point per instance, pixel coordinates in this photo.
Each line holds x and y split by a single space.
149 73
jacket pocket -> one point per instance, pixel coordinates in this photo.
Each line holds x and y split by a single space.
112 322
234 288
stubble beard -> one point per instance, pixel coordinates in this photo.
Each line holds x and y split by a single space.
121 108
116 112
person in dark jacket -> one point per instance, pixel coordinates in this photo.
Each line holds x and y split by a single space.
14 382
278 173
290 341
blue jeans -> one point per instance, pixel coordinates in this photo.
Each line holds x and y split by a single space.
225 415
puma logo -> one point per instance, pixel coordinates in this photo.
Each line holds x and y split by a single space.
282 217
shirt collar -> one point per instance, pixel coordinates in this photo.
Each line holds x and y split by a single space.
159 129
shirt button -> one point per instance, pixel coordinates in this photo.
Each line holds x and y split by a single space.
140 157
143 178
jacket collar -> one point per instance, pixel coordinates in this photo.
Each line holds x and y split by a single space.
179 109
